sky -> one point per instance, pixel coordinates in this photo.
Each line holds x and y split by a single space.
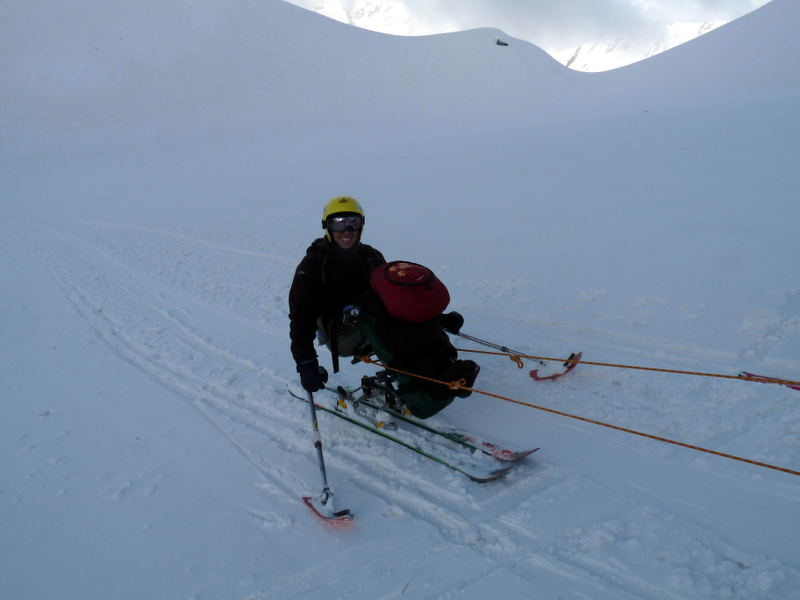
609 33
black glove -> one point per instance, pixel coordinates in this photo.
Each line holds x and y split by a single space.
452 322
312 376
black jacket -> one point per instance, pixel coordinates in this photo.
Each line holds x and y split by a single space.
326 280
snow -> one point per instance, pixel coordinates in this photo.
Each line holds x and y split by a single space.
163 170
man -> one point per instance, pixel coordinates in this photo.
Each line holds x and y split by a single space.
332 277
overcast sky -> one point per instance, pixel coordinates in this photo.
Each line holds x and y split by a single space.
577 20
558 26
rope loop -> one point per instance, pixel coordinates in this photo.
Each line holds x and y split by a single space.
458 385
517 359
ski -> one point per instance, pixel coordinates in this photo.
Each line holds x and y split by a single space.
499 453
547 374
765 379
477 470
468 440
341 518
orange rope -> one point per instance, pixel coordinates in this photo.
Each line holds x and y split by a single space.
517 358
459 385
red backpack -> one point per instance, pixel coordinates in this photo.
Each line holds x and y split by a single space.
410 292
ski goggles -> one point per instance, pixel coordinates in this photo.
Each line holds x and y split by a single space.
345 223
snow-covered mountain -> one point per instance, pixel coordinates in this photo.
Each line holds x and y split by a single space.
605 56
596 52
375 15
163 166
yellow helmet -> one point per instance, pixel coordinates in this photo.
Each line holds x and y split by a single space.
340 205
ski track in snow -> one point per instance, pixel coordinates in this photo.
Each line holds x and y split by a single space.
157 298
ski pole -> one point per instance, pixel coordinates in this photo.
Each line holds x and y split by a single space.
326 490
495 346
327 495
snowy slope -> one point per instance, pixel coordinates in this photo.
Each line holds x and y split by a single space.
163 169
252 62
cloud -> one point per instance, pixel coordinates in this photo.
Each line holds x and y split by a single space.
566 23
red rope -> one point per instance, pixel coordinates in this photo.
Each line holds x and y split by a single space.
743 377
460 385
